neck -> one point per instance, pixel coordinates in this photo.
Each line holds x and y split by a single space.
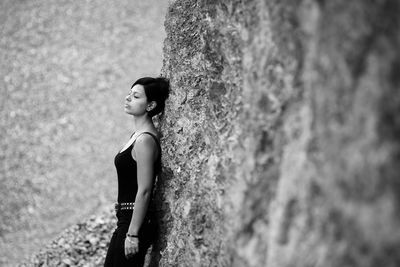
141 123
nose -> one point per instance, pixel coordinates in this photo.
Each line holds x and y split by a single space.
128 98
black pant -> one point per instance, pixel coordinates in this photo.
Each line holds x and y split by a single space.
116 251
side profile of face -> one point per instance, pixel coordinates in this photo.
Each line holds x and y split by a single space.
136 101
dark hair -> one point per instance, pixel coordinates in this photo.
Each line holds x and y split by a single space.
156 89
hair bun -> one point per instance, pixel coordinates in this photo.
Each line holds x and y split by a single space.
163 84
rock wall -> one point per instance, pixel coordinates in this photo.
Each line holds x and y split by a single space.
280 137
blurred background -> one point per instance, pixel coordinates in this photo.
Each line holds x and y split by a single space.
66 67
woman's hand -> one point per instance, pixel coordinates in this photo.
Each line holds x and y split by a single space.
131 246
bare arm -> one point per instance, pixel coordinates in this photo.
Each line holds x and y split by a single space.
145 150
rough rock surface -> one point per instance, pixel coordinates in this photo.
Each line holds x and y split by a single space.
281 139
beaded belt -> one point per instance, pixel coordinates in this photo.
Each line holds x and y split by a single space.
124 206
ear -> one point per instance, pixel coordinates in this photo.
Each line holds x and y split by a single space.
151 106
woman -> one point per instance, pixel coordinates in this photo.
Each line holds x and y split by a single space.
137 165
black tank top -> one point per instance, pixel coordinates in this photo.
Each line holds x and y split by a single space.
127 172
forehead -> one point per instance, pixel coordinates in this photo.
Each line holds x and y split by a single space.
138 88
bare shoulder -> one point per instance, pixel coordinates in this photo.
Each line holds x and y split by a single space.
145 143
146 140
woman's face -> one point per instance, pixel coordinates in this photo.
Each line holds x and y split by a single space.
136 101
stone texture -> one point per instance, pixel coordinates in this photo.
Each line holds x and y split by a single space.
280 136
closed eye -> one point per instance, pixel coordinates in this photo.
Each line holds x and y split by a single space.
134 94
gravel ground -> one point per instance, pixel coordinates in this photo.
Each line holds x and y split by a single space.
65 69
82 245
